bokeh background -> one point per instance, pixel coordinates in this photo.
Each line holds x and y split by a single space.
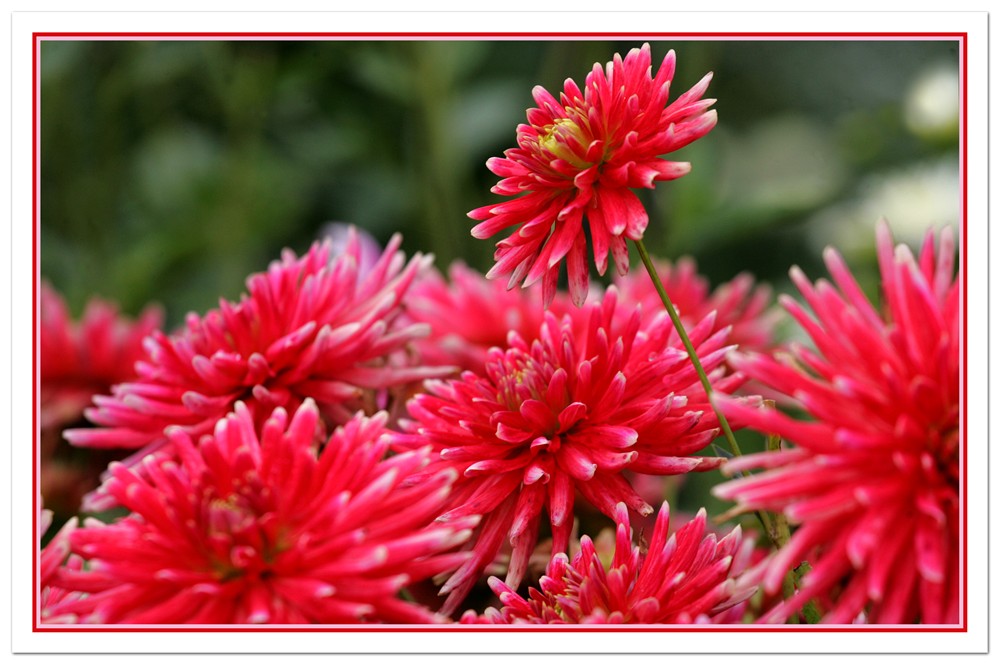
172 170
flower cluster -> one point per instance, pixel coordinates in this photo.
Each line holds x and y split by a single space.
566 414
311 327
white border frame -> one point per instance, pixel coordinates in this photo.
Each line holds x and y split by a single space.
24 640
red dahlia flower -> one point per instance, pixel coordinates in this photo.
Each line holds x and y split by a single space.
311 327
873 480
85 358
81 359
561 415
581 155
266 529
687 578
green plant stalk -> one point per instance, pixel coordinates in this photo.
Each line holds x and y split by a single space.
705 383
787 590
777 530
810 612
782 534
688 346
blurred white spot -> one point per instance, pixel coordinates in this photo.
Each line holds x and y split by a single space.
931 106
913 200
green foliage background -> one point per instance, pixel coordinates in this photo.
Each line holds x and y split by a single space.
173 169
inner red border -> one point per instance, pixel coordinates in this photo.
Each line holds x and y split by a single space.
961 37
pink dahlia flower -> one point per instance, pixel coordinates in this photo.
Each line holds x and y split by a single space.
81 359
85 358
311 327
686 578
581 156
873 480
738 304
564 415
269 529
468 314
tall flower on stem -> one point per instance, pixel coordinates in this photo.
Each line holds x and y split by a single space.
564 415
580 157
873 480
249 528
686 578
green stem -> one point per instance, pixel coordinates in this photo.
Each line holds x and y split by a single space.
688 346
810 612
787 591
782 534
776 530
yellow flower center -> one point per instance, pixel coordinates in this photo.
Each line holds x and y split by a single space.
559 138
